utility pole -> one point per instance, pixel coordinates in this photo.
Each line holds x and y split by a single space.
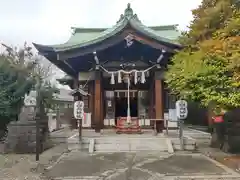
37 118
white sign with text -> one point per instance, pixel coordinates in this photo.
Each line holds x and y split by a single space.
181 107
78 110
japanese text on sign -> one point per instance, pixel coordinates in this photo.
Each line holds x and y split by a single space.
181 107
78 110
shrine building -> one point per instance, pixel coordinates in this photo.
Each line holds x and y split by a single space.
121 69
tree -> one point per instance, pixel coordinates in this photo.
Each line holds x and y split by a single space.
19 71
208 68
43 72
15 82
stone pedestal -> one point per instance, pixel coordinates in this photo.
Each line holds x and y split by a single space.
21 136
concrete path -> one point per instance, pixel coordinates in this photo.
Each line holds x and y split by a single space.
138 166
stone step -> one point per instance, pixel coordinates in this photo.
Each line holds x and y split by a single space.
126 143
130 144
76 140
129 140
126 148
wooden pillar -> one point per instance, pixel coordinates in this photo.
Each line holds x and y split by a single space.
151 108
97 102
159 111
102 107
91 102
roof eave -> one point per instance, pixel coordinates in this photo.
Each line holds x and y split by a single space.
121 24
43 48
134 24
48 51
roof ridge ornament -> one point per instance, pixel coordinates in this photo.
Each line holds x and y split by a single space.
128 13
136 17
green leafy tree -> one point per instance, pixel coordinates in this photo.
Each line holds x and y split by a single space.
207 69
15 81
20 70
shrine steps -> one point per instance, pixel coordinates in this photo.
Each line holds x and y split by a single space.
102 145
118 144
109 141
129 144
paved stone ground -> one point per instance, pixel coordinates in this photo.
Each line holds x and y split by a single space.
23 166
230 160
115 166
137 166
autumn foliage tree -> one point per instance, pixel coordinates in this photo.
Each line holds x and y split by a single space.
208 68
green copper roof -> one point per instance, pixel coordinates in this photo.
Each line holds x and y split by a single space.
86 36
91 38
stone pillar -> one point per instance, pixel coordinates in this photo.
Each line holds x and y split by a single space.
159 110
58 118
97 102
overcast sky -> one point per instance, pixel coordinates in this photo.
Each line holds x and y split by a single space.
49 21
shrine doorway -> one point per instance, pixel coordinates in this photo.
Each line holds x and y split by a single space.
121 104
120 107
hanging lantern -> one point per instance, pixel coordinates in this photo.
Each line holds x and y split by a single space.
112 79
135 77
119 77
143 79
